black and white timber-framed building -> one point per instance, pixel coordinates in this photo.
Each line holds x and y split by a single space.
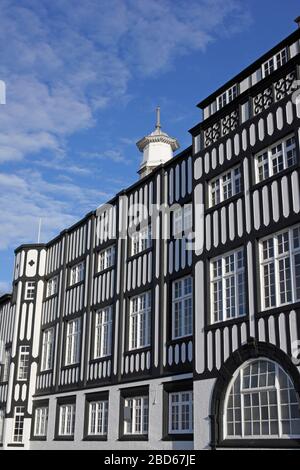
170 317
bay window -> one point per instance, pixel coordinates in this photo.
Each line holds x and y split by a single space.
77 273
228 298
136 411
103 332
52 286
41 421
47 349
140 321
181 412
73 342
280 268
225 186
141 240
98 418
275 158
106 258
182 307
66 425
182 220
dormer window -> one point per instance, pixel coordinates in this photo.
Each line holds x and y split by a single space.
226 97
77 274
275 62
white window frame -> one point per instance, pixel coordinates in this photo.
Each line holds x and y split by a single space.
30 287
103 332
229 178
227 96
18 427
259 389
140 321
182 220
141 240
73 342
138 415
276 260
181 301
219 280
67 414
106 258
41 421
77 273
179 407
268 155
47 349
23 364
275 62
6 365
98 418
52 286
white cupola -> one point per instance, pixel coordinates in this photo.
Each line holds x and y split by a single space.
157 148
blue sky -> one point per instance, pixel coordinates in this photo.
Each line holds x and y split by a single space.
83 79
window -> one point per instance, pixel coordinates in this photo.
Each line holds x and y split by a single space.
2 420
103 332
275 62
41 421
6 365
276 158
261 402
73 342
182 308
67 419
181 412
47 349
225 186
106 258
136 411
23 363
228 286
52 286
30 290
77 274
18 424
182 220
280 268
98 418
141 240
140 321
226 97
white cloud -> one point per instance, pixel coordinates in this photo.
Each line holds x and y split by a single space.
64 63
61 63
28 196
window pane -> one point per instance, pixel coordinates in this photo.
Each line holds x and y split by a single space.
267 394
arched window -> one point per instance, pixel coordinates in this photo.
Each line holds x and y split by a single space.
261 402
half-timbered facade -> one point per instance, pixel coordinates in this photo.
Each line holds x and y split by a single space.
169 318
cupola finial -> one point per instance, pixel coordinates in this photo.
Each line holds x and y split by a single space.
158 126
157 147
